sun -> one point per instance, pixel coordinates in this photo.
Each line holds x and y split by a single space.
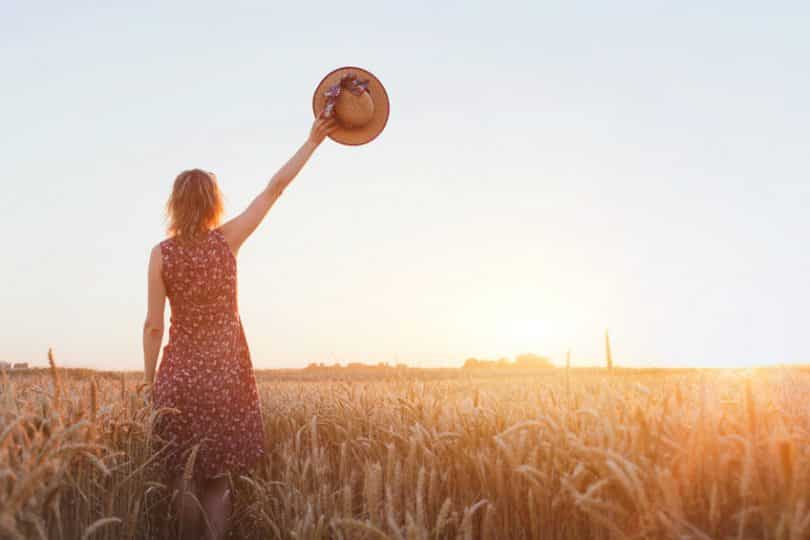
526 335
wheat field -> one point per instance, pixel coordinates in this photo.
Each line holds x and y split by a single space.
551 454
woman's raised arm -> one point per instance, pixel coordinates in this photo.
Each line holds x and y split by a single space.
237 230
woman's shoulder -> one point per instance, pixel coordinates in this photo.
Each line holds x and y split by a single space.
163 244
164 247
156 256
223 237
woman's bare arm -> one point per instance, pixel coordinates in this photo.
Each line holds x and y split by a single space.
153 325
237 230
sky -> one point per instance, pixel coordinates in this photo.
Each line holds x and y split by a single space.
549 170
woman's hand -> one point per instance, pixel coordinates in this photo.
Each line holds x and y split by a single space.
321 127
146 389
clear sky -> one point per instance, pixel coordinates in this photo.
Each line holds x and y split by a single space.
549 170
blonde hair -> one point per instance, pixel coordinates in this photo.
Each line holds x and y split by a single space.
195 205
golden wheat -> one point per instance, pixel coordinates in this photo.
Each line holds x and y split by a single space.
565 454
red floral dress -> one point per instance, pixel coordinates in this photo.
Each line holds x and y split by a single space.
206 371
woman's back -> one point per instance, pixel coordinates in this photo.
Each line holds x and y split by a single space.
200 280
206 371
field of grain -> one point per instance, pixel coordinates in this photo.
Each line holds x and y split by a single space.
700 455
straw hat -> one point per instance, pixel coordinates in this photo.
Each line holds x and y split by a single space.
357 99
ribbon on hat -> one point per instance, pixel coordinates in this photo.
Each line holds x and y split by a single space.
349 82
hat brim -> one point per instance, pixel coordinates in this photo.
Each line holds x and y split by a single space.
368 132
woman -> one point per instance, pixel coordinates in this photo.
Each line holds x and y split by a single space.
206 371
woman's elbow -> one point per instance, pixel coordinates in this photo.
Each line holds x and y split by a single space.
152 328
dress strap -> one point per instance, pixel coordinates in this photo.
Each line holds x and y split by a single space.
218 233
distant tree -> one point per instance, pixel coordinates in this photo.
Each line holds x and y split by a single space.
530 360
471 363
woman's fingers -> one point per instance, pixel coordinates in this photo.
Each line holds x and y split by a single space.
321 122
330 126
322 127
325 126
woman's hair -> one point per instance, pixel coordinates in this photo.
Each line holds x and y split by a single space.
195 205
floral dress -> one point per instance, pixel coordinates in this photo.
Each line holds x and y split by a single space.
206 371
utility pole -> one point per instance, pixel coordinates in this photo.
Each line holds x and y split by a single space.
608 355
